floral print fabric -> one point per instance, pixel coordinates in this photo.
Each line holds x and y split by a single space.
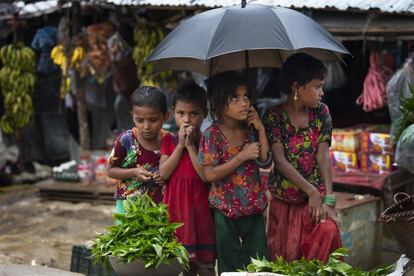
239 194
128 153
300 147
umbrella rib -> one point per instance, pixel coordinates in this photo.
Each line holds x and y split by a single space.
284 29
215 33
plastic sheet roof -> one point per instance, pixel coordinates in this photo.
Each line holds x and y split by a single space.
49 6
29 10
389 6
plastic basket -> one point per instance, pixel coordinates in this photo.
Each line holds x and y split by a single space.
82 262
399 220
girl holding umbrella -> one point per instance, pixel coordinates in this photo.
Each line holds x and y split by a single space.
302 220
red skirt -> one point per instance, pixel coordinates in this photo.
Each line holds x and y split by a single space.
292 234
188 203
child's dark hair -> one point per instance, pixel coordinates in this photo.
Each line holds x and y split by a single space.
300 68
149 96
220 89
192 93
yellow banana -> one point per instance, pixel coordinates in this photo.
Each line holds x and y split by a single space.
17 80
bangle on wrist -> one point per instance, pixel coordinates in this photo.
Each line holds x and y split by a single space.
329 200
268 162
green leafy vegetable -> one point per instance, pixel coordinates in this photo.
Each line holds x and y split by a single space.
333 267
407 110
143 232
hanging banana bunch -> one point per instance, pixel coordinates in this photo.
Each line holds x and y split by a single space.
146 38
66 62
17 81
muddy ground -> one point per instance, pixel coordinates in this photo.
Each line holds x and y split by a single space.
36 231
42 232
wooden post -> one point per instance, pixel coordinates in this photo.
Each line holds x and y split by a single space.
84 137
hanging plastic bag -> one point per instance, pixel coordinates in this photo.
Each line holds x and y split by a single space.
43 41
404 154
398 86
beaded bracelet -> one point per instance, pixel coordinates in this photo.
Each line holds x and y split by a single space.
329 200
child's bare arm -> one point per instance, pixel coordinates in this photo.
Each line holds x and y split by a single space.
215 173
121 173
169 163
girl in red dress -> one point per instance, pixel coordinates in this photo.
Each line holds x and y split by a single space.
186 193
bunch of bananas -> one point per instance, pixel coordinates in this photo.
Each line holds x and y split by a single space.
146 38
67 61
17 81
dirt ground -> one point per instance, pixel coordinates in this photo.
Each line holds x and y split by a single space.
42 232
36 231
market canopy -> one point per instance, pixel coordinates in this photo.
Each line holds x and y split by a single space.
37 8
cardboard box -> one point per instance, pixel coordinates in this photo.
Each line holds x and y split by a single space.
345 140
344 161
376 163
377 140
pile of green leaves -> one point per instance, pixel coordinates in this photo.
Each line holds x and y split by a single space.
143 232
334 266
407 110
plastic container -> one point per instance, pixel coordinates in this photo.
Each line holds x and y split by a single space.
101 170
85 170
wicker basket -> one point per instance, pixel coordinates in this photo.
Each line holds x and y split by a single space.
399 220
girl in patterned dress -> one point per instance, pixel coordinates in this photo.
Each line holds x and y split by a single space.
237 194
135 156
302 220
186 193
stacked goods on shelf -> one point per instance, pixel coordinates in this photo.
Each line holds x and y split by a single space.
344 149
362 148
377 151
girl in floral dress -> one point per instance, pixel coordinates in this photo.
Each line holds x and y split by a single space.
237 194
186 193
135 156
302 220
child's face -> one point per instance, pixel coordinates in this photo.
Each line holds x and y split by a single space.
311 93
148 121
238 105
188 113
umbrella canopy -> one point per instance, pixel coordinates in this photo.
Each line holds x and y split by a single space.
217 40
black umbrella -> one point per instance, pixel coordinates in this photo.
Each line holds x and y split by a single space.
246 36
230 38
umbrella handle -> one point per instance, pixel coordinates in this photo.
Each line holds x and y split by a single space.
253 139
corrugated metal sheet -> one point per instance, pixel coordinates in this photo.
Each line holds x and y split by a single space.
399 6
390 6
31 10
37 8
